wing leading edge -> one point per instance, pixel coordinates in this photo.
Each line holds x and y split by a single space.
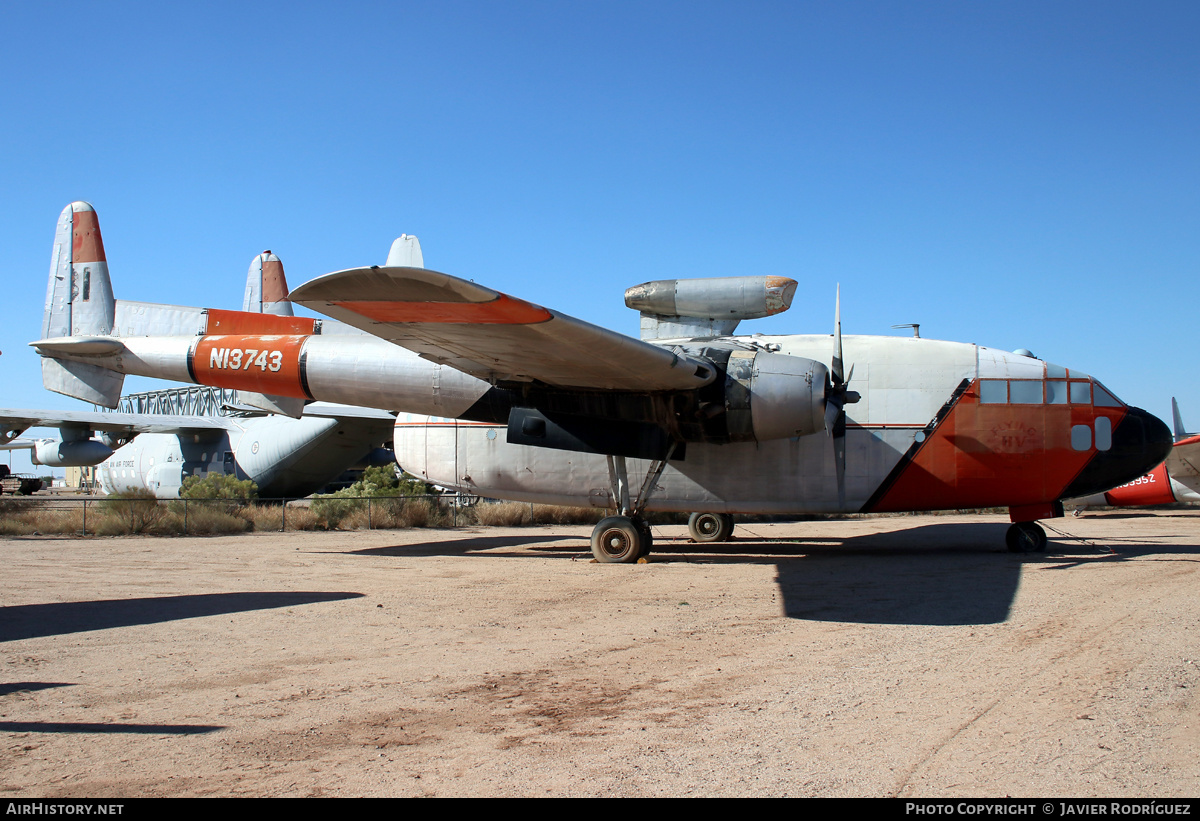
494 336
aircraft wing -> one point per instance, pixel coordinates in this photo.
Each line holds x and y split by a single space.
494 336
130 423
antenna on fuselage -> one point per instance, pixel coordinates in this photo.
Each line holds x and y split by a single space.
916 326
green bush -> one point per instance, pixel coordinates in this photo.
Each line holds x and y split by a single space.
219 486
350 505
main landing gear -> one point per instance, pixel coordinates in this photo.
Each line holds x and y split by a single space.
621 539
626 537
710 527
1026 537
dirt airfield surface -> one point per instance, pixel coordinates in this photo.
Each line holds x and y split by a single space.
907 656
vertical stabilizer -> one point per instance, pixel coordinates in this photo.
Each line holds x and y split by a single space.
79 302
406 253
266 287
1180 432
79 296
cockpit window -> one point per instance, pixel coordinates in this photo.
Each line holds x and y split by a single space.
1101 398
1050 392
993 391
1025 392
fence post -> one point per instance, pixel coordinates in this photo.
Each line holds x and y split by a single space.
185 517
85 501
368 513
283 526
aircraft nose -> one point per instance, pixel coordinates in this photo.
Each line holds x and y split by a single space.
1140 442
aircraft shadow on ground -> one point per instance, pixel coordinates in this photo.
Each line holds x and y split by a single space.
461 547
54 619
936 574
94 727
31 686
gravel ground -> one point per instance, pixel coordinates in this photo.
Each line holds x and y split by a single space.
907 656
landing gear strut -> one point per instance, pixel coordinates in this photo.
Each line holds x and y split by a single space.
710 527
1026 537
626 537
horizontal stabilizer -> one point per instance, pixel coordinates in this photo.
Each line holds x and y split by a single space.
79 346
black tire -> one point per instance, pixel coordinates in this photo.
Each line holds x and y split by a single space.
647 536
618 539
1026 537
710 527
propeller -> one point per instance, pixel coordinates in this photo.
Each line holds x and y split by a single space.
837 396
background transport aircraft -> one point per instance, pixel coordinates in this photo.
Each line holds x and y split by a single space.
512 400
1175 480
284 456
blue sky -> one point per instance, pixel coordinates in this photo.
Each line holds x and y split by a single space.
1008 173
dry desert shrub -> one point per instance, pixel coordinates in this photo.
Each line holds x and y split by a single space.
300 518
203 520
61 521
560 515
15 525
522 514
58 519
503 514
135 511
267 517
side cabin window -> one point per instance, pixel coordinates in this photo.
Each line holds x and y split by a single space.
1049 392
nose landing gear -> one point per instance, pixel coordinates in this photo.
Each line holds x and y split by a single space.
1026 537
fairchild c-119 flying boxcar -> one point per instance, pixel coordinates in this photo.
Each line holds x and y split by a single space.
505 398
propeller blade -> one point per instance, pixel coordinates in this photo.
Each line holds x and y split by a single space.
836 370
839 458
832 409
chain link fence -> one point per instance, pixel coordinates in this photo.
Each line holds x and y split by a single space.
92 516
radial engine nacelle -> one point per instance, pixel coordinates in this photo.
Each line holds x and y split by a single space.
772 396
